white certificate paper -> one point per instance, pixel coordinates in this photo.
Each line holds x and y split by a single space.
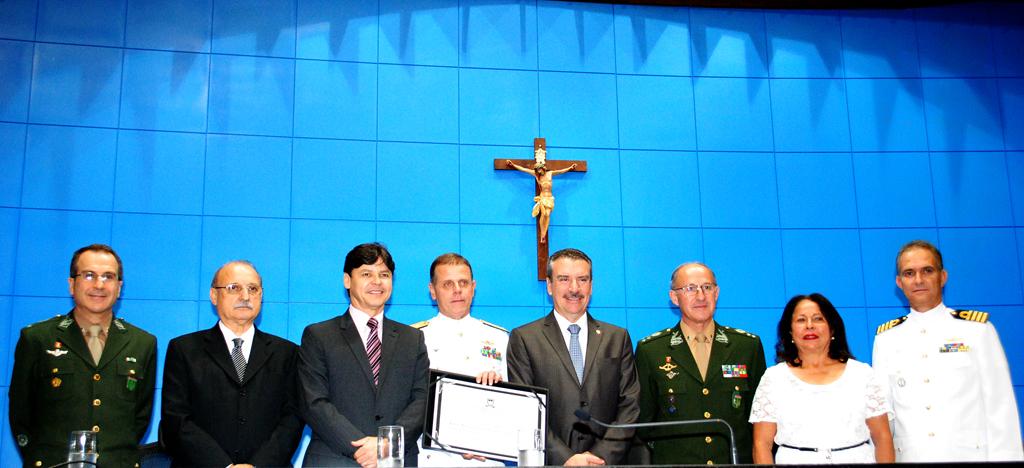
485 420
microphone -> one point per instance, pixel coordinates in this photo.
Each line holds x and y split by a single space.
584 415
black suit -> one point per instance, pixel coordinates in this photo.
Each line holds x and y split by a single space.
209 418
340 401
537 355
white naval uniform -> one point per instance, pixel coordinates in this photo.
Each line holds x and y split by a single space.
468 346
950 388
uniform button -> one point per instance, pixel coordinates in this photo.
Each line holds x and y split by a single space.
707 415
96 377
376 418
707 439
931 434
927 380
96 402
39 463
242 393
924 356
241 419
705 391
95 428
583 404
923 331
710 462
929 407
55 370
671 391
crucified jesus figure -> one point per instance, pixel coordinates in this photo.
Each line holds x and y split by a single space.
545 201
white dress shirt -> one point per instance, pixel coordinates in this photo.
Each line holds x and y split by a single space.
563 325
246 336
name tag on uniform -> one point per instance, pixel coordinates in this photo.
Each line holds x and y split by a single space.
738 371
954 348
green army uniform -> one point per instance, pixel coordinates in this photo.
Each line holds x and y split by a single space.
56 388
673 390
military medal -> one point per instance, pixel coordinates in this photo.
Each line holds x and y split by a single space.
132 381
668 366
734 371
737 399
954 348
55 382
901 382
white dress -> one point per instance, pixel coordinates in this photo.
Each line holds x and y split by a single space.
825 416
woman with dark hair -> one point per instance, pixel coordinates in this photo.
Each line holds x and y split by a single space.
818 404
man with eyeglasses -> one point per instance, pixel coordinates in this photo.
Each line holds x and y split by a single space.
585 364
459 343
230 392
695 370
950 384
87 370
361 370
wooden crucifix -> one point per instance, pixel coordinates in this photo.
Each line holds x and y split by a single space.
542 170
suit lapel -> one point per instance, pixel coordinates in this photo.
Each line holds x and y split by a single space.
557 343
258 355
117 339
720 352
388 346
355 344
216 348
594 341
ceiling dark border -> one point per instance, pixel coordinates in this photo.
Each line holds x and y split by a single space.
787 4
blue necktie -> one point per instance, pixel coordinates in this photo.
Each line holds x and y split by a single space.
575 352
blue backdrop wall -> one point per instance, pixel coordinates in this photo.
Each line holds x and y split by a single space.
792 151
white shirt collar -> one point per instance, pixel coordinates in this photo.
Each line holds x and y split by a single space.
937 312
360 318
246 336
563 326
446 321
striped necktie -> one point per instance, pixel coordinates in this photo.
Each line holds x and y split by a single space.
238 358
373 350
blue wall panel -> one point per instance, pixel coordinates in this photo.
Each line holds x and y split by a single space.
651 40
790 150
254 27
333 179
12 159
164 90
16 68
886 115
100 22
332 30
184 25
75 85
418 104
886 198
816 190
804 44
159 172
335 100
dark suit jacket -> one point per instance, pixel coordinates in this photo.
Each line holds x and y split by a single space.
339 400
209 418
537 355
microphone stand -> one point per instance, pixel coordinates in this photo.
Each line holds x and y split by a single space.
584 416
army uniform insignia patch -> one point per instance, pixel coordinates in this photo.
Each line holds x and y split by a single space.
720 336
57 352
890 324
55 383
734 371
737 399
667 366
677 339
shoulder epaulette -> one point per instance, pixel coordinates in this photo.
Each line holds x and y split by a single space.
656 334
419 325
970 315
890 324
489 324
739 331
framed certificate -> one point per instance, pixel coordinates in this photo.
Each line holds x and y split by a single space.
467 417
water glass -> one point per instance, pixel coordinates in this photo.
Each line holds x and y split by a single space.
390 447
82 449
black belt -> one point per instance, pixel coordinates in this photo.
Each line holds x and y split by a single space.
809 449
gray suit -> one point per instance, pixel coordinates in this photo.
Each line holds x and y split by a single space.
537 355
339 400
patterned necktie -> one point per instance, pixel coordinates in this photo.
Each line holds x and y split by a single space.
238 358
575 352
94 343
373 350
